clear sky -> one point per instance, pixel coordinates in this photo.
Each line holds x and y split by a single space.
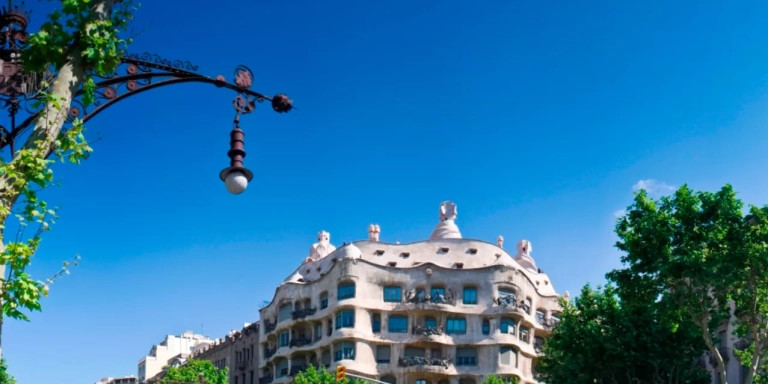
536 118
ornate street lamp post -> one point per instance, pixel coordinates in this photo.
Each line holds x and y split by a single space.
135 74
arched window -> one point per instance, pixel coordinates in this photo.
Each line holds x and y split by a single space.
524 334
344 350
466 356
323 300
393 294
345 291
508 356
507 325
345 319
284 313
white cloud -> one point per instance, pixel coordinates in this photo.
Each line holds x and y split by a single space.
619 213
654 187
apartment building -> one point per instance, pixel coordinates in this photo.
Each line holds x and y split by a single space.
172 349
446 310
238 352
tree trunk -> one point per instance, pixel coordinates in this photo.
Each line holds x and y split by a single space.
754 363
713 350
49 124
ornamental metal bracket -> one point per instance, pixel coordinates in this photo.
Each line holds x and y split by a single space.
140 73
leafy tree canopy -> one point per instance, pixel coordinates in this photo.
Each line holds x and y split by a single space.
193 370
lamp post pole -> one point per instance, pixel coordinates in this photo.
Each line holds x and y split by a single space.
137 73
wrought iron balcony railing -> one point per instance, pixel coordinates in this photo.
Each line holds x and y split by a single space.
269 325
410 361
427 331
296 369
266 379
269 352
300 341
302 313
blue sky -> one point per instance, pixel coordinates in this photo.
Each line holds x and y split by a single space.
537 119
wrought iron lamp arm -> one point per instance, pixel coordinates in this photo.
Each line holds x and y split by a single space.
147 72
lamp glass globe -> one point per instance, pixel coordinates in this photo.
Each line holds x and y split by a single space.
236 182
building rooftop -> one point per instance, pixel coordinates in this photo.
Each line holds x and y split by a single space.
445 249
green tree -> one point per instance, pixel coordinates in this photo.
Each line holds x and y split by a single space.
5 377
193 371
700 255
493 379
78 41
602 338
312 376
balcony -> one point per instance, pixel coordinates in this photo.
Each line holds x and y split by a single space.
296 369
302 313
269 352
414 298
266 379
411 361
506 301
510 303
300 341
427 331
269 325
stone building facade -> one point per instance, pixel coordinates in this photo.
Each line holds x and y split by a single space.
173 348
238 352
447 310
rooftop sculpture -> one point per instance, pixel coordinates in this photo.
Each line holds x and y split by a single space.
447 228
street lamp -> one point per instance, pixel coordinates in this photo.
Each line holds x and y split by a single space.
135 74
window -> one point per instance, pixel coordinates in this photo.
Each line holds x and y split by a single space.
344 351
383 353
486 327
421 294
330 327
507 325
398 324
437 292
393 294
422 381
324 300
285 338
345 291
524 334
456 326
284 313
345 319
430 322
466 356
507 356
470 295
318 331
414 352
538 343
554 319
527 305
375 322
540 316
389 379
282 368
